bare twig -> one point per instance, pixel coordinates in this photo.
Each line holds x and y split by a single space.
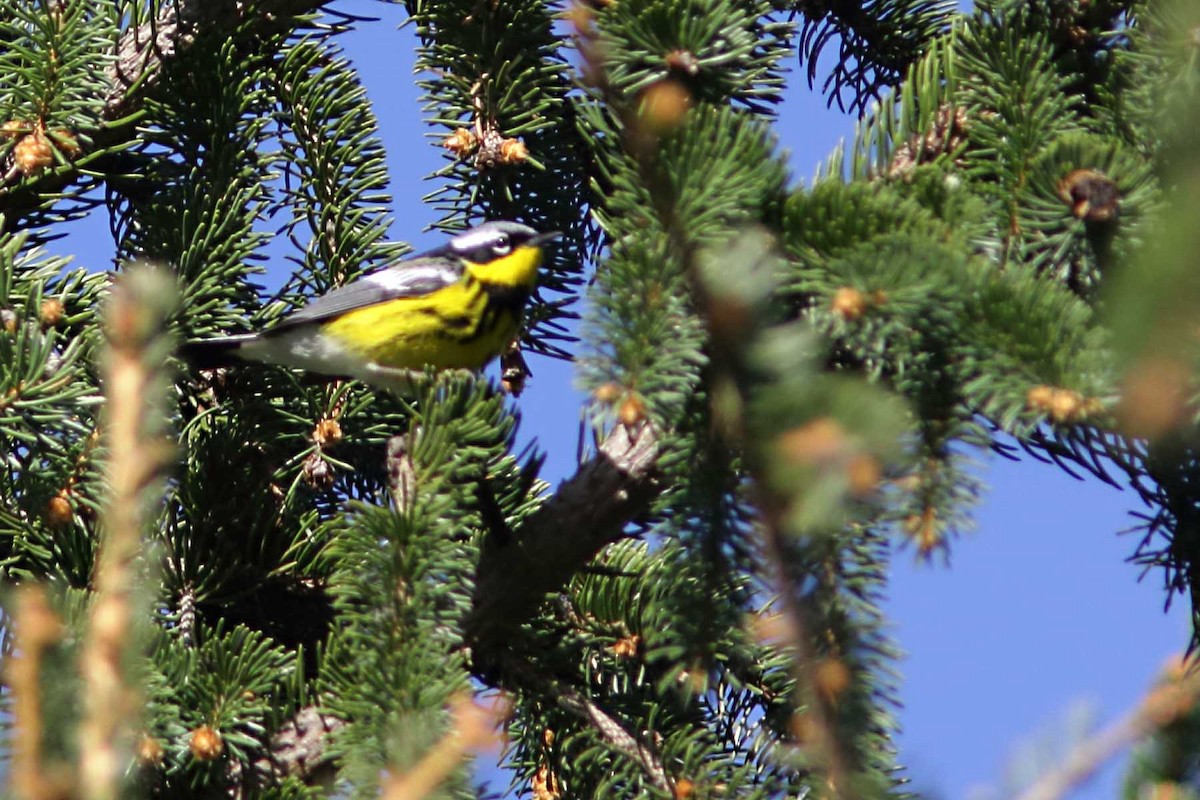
37 627
613 734
1162 705
642 750
135 455
402 475
823 741
472 727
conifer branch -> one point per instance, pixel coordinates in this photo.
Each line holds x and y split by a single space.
144 50
830 756
589 511
873 49
608 729
1160 707
142 54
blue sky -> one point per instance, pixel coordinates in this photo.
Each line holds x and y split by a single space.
1037 615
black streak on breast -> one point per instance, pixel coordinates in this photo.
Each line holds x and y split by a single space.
505 298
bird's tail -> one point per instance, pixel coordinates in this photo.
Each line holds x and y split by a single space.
215 353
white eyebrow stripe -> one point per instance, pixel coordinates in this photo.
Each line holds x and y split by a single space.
475 238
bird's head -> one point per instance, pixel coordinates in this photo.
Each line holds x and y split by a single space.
496 240
501 253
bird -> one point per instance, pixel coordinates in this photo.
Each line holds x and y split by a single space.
455 307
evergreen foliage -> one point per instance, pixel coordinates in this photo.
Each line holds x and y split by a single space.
876 40
786 382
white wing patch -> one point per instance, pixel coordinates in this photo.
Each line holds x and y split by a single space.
411 279
416 279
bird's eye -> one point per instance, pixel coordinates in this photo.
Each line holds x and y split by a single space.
502 246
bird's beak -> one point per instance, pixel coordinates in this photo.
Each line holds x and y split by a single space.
542 238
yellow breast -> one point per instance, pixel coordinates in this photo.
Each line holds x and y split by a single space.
460 326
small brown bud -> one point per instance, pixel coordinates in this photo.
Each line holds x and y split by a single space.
149 751
664 105
461 142
513 151
863 473
849 303
548 737
33 153
1067 406
819 441
206 744
8 320
1092 195
51 312
544 784
514 372
923 529
1153 397
683 789
327 432
1077 35
632 410
608 393
58 511
626 647
1039 398
831 677
15 128
1061 405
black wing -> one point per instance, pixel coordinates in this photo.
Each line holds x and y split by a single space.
410 279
